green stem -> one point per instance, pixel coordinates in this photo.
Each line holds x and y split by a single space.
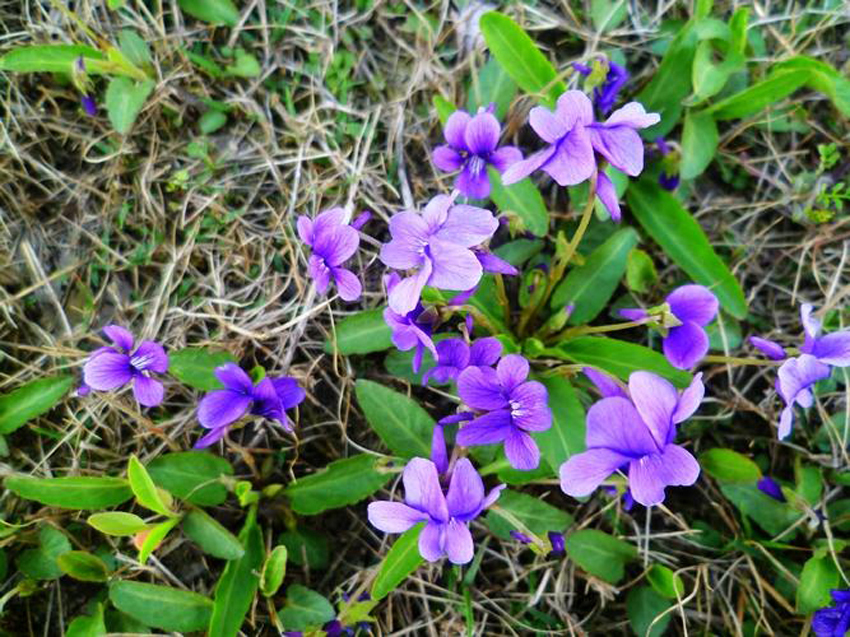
735 360
572 332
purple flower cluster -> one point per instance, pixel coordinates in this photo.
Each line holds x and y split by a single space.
333 242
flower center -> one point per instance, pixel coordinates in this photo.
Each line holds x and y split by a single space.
476 165
516 409
141 362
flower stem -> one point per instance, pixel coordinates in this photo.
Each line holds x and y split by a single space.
735 360
572 332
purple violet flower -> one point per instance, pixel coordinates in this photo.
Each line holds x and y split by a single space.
472 142
833 621
270 398
771 487
454 355
607 386
558 545
109 368
638 431
773 350
512 406
333 242
410 330
605 96
447 515
436 244
89 105
686 344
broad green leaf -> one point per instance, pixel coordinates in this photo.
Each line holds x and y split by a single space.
161 606
274 570
699 142
49 58
304 608
306 547
772 516
519 251
600 554
758 96
521 199
520 57
565 437
193 476
134 48
809 482
729 466
619 358
492 86
708 77
41 563
590 286
81 493
238 584
823 78
211 121
538 516
194 366
87 625
118 523
362 333
154 537
665 581
341 483
608 14
400 422
640 271
245 65
31 400
147 493
124 101
509 475
400 562
643 605
211 536
443 107
819 576
683 240
83 566
212 11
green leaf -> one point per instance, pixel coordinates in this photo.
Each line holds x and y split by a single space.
520 57
758 96
443 107
565 437
608 14
41 563
155 537
274 570
124 100
118 523
304 608
590 286
212 11
643 605
238 584
49 58
618 358
195 366
80 493
492 86
665 581
341 483
362 333
83 566
194 476
699 142
640 271
729 466
600 554
211 536
146 492
822 77
134 48
540 517
819 576
400 562
162 606
211 121
88 625
772 516
521 199
245 65
306 548
400 422
682 239
31 400
708 77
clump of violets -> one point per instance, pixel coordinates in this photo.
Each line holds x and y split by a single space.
437 246
269 398
510 407
574 136
797 375
109 368
455 355
694 307
472 146
833 621
333 242
447 515
411 330
638 431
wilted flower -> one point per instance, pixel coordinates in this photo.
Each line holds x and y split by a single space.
447 516
411 330
454 355
270 398
113 367
333 242
513 406
639 432
833 621
472 142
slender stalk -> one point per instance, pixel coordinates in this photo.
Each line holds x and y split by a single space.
572 332
736 360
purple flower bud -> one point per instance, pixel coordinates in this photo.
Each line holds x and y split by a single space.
89 105
773 350
771 487
455 418
520 537
361 220
333 628
439 453
668 182
583 69
663 146
82 390
470 324
557 540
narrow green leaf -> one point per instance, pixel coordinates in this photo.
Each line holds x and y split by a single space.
134 48
341 483
194 476
600 554
400 562
521 199
643 605
155 537
124 101
31 400
195 366
274 570
565 437
823 78
146 492
72 493
49 58
761 95
400 422
212 11
818 578
538 516
699 142
729 466
83 566
304 609
362 333
211 536
161 606
683 240
118 523
492 86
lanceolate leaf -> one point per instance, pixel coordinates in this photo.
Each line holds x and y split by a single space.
699 142
161 606
522 199
118 523
401 560
492 86
212 11
72 493
49 58
753 99
819 576
146 492
124 100
729 466
361 333
682 239
211 536
401 423
154 537
822 78
31 400
83 566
